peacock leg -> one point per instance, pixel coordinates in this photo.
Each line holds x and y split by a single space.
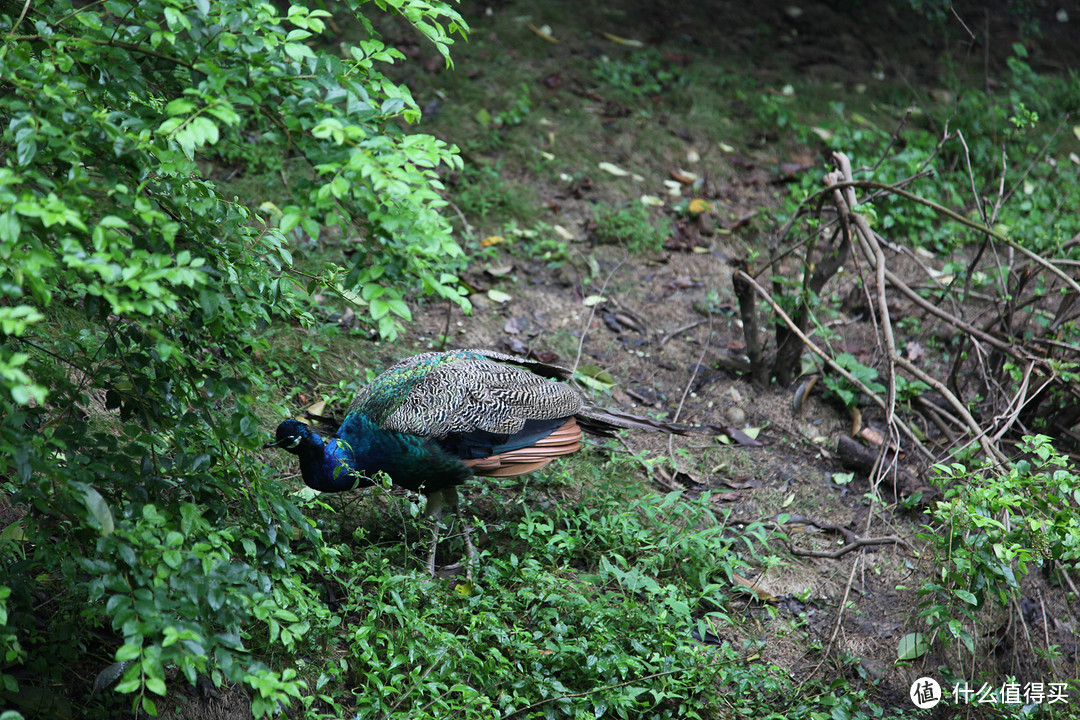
434 547
470 550
436 508
438 503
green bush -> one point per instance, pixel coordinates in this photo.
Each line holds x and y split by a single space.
631 225
987 533
639 75
135 298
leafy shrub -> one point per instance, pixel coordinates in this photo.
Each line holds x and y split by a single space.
988 532
135 298
486 196
839 388
639 75
517 110
631 225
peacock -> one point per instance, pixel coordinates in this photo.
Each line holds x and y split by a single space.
434 420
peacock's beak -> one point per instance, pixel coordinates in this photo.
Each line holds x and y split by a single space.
286 442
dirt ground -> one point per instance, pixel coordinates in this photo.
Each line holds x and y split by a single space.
668 328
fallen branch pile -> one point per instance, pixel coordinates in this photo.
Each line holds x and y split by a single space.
1013 350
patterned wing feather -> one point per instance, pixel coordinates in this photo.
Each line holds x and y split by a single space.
436 394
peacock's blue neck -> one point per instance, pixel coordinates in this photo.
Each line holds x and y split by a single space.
328 466
361 449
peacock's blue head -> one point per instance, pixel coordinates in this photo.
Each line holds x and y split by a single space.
326 465
294 436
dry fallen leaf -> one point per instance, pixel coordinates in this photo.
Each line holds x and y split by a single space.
682 282
761 594
347 317
552 81
563 232
623 41
619 320
914 351
316 408
499 270
872 436
517 347
740 484
697 205
612 169
544 32
686 178
544 356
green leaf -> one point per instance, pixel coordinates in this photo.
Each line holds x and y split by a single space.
297 51
594 377
13 533
128 652
399 308
132 679
99 510
911 646
966 596
170 125
156 685
288 221
179 106
379 308
25 150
